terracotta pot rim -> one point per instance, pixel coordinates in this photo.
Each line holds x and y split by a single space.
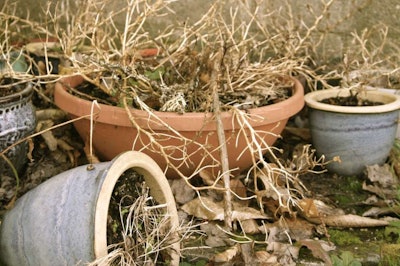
262 115
391 101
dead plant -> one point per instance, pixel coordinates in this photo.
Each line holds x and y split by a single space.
145 231
254 63
245 57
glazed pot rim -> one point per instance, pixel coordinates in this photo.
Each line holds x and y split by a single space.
391 101
26 92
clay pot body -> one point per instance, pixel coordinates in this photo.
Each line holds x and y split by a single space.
359 135
63 221
114 132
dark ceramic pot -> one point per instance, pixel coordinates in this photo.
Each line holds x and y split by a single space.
17 120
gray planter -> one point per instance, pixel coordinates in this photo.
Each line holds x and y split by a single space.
360 136
63 221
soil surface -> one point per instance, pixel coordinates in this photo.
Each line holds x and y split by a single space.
352 100
364 244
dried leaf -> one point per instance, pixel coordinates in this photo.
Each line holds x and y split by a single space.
31 146
207 177
182 191
265 258
48 136
246 250
50 114
372 200
206 208
327 210
376 211
227 255
303 133
215 236
286 253
381 175
92 158
250 226
299 228
238 188
308 208
281 230
312 208
346 258
348 220
50 140
242 213
379 191
235 184
317 250
64 145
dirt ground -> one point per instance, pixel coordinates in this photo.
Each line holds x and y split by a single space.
359 245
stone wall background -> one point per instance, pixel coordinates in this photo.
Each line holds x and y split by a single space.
345 17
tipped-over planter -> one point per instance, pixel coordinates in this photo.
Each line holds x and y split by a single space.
114 132
359 135
63 221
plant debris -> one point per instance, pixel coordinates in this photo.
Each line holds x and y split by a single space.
136 225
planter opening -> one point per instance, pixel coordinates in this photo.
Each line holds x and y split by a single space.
73 227
137 226
354 99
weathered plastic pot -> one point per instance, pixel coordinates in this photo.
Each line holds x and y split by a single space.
17 121
359 135
63 221
113 121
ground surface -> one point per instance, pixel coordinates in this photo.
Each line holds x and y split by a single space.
364 244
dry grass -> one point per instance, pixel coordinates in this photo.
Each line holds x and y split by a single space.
145 230
256 50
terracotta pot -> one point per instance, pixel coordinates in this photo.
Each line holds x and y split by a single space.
359 135
114 133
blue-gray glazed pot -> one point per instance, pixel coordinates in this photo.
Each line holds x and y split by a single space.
63 221
359 135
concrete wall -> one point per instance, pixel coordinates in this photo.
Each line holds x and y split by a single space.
344 17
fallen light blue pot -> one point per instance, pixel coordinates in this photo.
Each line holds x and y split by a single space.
359 135
63 221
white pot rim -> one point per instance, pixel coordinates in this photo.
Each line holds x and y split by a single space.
391 101
159 190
